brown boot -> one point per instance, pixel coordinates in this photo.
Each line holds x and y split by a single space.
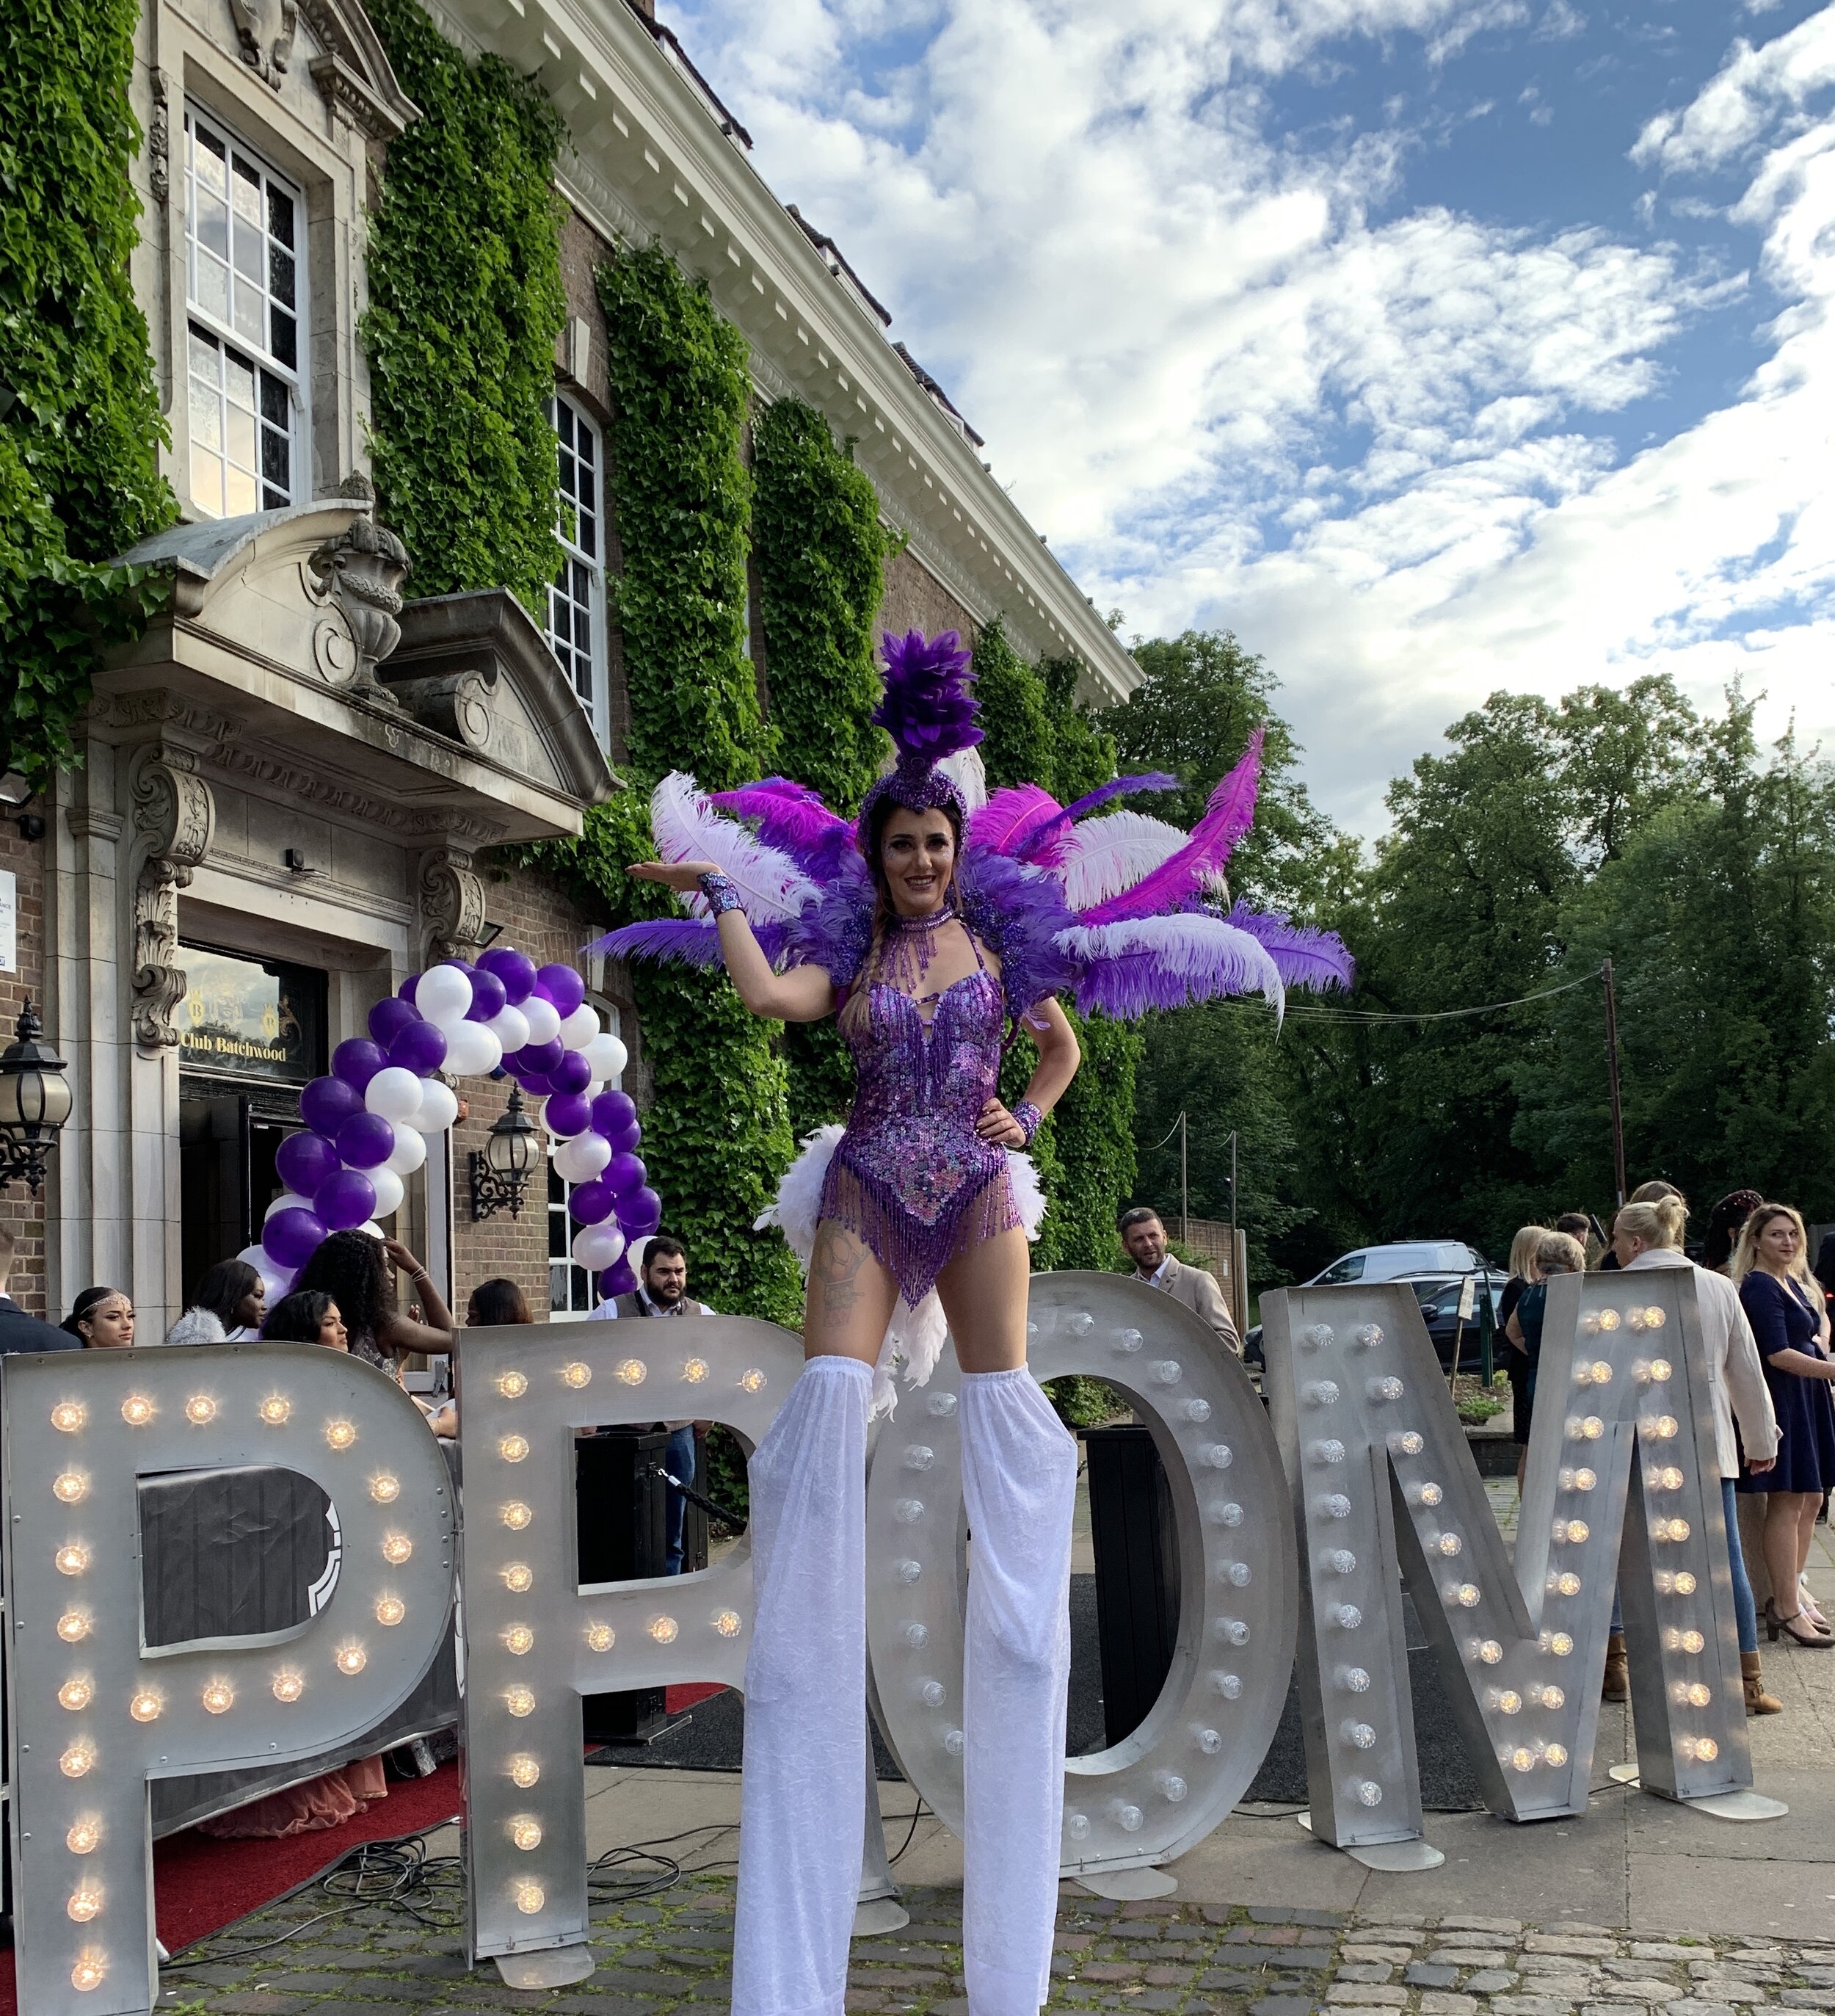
1757 1701
1617 1686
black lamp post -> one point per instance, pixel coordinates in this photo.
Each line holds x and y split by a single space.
500 1170
34 1102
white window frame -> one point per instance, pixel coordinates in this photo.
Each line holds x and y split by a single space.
582 564
557 1209
205 328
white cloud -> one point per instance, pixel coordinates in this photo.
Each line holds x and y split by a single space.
1378 449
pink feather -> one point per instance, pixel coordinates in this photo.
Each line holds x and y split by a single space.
1008 816
1226 819
789 815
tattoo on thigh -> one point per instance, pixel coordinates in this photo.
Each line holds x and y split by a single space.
836 1263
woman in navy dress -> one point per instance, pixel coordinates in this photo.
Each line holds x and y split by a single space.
1790 1320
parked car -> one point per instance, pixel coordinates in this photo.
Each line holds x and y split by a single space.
1435 1269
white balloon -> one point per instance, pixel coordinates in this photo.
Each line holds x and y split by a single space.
578 1029
287 1200
388 1191
597 1246
471 1050
375 1231
438 1109
582 1158
394 1093
606 1055
275 1280
443 995
510 1026
543 1017
409 1153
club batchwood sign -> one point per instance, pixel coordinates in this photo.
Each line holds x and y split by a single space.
1296 1527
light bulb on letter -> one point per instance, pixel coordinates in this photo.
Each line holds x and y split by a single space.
512 1385
137 1410
340 1435
68 1416
71 1487
85 1837
727 1623
600 1637
88 1971
351 1659
530 1898
519 1638
631 1371
512 1449
524 1772
73 1559
288 1685
663 1630
146 1704
84 1905
276 1410
73 1625
79 1760
385 1489
694 1370
518 1578
77 1693
752 1381
219 1698
577 1374
199 1409
525 1832
519 1701
390 1610
397 1548
515 1515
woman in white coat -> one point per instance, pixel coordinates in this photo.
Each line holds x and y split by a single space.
1650 1235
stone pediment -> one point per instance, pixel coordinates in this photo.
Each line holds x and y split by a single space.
475 666
269 634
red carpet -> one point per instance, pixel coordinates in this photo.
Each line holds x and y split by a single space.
677 1699
201 1885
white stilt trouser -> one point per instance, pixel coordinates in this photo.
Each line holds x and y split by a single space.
1019 1469
800 1815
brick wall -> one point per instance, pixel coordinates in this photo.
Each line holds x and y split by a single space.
916 600
540 919
23 1214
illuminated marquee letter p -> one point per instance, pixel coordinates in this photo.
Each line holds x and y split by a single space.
95 1714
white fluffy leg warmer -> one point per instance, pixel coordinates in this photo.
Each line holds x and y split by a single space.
1019 1485
801 1817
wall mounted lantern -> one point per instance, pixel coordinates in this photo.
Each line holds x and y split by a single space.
34 1102
500 1170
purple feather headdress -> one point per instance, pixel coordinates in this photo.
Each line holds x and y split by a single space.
929 714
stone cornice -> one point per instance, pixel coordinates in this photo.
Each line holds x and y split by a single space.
650 158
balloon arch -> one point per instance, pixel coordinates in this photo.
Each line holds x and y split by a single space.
367 1124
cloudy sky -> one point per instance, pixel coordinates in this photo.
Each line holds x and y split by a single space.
1432 346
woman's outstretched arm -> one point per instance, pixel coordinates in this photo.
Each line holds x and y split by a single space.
804 994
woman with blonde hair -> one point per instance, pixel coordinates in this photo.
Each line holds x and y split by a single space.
1791 1321
1650 1234
1520 1372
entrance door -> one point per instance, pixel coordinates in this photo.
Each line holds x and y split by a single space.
227 1144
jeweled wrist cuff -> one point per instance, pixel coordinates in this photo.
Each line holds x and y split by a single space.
721 892
1030 1119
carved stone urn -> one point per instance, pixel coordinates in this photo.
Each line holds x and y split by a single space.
362 570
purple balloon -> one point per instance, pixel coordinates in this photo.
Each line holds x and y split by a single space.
463 965
487 997
566 1113
639 1215
357 1061
304 1160
614 1111
619 1280
625 1140
562 986
420 1048
345 1200
572 1074
623 1174
542 1056
515 969
406 991
326 1103
389 1017
534 1083
366 1140
291 1237
590 1202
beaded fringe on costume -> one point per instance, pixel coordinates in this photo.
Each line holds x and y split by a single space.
912 1252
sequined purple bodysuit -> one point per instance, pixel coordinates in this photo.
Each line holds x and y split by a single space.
910 1176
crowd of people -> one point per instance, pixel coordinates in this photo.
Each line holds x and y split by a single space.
1764 1315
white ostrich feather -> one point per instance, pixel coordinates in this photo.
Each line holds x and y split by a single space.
1109 854
965 771
687 828
915 1337
1208 956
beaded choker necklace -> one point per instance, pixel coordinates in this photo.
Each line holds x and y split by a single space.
920 934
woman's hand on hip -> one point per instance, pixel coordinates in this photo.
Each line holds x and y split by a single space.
998 1128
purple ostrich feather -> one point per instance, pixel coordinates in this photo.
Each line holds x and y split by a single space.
928 708
1303 957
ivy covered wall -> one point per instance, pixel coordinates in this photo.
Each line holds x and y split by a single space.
465 304
80 439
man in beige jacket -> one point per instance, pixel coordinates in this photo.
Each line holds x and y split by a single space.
1144 1237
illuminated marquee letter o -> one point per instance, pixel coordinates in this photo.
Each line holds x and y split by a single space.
1150 1797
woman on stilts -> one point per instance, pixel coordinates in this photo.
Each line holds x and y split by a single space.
937 928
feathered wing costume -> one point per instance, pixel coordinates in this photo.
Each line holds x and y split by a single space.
1120 912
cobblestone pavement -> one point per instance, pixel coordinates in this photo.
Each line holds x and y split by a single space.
671 1952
